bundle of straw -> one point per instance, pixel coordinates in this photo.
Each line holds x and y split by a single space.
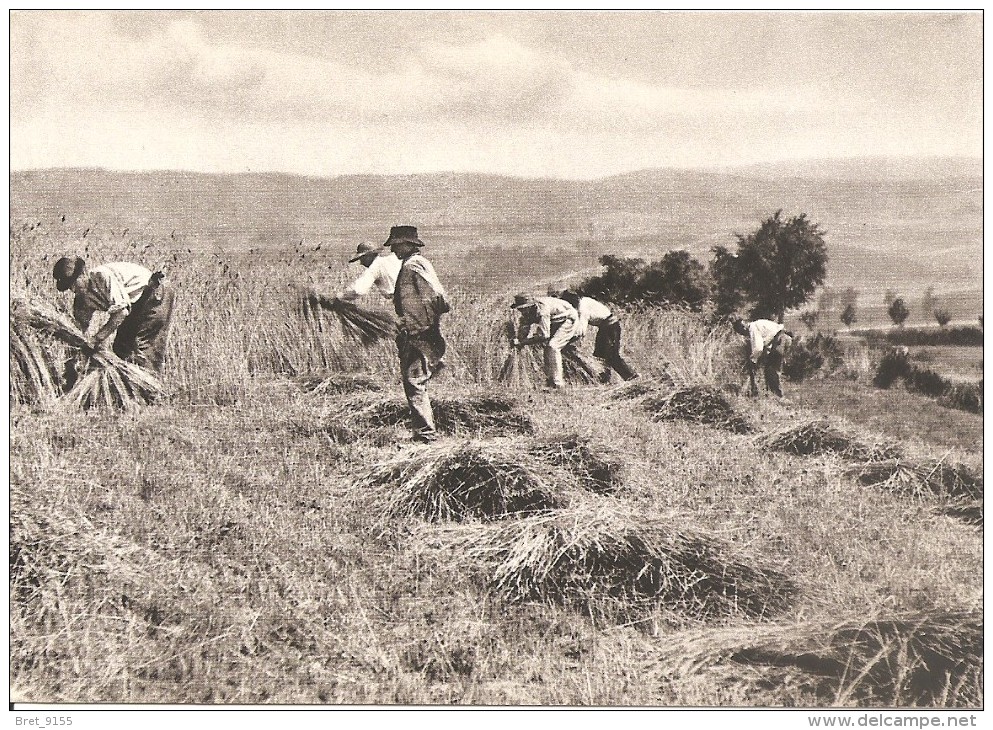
598 470
818 437
597 556
474 415
698 404
524 366
34 375
921 477
359 324
106 379
337 383
925 658
460 481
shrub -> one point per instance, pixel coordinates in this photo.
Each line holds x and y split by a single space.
942 316
809 355
898 311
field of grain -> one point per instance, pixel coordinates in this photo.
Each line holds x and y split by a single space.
266 533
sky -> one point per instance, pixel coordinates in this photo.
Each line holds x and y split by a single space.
533 94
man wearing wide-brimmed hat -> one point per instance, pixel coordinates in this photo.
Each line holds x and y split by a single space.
555 321
420 301
768 342
138 304
380 272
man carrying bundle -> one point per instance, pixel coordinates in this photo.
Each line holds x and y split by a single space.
607 346
380 272
138 302
419 300
556 322
767 343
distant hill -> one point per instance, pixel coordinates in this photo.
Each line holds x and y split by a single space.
889 220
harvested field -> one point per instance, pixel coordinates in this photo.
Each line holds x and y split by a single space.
932 658
820 438
463 481
337 383
598 557
524 368
699 404
357 323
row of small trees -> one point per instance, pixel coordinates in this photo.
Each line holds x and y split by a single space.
775 268
896 307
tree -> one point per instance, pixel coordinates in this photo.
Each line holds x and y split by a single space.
928 302
677 278
941 315
809 318
618 280
780 265
827 299
888 298
728 296
849 297
898 311
848 315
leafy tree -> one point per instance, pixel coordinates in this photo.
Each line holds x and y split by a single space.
826 301
898 311
888 298
618 281
848 315
849 297
941 315
677 278
928 302
810 318
781 264
728 295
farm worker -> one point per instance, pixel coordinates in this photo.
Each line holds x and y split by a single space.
767 345
607 345
556 322
138 302
380 272
419 300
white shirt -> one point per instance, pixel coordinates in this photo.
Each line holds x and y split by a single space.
591 312
381 273
760 333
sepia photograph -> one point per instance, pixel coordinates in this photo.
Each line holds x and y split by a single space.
496 359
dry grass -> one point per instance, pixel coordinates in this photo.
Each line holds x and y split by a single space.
337 383
598 557
932 658
817 437
921 477
698 404
524 368
462 481
490 414
34 375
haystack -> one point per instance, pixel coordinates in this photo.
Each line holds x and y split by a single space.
598 469
594 556
698 404
818 438
461 481
357 323
482 414
105 379
932 658
921 477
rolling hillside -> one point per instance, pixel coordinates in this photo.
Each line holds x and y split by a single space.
891 223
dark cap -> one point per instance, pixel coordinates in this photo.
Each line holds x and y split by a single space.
403 234
522 300
66 271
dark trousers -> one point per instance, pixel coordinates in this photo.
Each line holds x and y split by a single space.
772 365
421 356
607 347
142 336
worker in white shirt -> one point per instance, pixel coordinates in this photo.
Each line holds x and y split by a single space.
137 301
767 345
607 346
555 321
380 272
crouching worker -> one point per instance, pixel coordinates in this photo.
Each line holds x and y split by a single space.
607 346
138 304
556 323
768 342
419 300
